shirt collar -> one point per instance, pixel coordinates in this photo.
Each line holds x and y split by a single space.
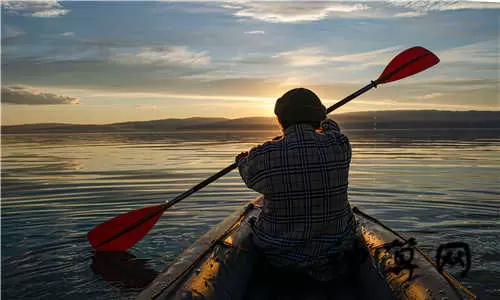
295 129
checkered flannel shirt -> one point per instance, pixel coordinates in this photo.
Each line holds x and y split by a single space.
306 217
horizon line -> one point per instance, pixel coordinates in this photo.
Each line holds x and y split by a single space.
227 118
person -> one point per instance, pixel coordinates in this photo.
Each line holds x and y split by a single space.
306 224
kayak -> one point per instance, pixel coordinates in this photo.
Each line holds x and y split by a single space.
223 264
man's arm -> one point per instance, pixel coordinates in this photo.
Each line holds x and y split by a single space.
245 167
253 170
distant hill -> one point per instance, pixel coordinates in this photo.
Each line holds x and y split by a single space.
155 125
376 119
408 119
252 123
359 120
165 125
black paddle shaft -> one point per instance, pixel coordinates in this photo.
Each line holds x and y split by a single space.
170 203
200 185
351 96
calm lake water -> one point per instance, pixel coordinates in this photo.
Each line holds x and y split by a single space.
436 186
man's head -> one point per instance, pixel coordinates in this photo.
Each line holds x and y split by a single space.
299 106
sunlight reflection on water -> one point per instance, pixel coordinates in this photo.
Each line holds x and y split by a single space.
55 188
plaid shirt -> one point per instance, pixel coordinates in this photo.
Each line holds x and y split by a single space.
306 218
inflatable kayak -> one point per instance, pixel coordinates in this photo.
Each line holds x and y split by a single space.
222 264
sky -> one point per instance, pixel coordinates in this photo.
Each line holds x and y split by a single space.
104 62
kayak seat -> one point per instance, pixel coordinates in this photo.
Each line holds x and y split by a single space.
269 283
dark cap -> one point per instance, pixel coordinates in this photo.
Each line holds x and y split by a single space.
300 105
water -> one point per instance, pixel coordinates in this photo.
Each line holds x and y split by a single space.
436 186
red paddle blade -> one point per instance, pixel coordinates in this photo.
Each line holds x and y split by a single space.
407 63
124 231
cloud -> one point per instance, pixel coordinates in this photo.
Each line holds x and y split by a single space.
483 53
145 107
195 7
303 12
165 55
255 32
50 13
37 9
67 34
230 6
16 94
319 56
440 5
293 12
429 96
458 84
10 32
409 14
420 8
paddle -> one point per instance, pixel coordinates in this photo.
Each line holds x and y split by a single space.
124 231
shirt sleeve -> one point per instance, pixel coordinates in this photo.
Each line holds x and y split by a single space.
330 125
252 170
244 168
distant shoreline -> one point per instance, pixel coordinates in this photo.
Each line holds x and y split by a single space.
277 130
373 120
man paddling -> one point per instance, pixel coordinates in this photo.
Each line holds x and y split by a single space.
306 224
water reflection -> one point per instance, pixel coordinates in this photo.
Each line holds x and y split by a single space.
433 185
124 268
209 138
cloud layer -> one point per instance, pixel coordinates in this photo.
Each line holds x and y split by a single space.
320 56
481 53
293 12
16 94
165 55
37 9
303 12
440 5
9 32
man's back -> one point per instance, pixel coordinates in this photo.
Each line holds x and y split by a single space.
303 177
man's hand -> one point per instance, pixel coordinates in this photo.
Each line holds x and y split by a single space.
241 156
329 125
